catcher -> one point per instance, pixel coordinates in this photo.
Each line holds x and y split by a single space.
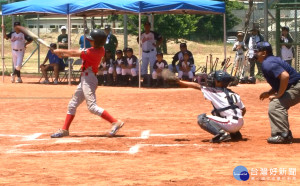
86 89
227 116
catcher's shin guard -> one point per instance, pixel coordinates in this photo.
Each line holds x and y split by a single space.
208 125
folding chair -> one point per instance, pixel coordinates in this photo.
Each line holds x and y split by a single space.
50 75
76 69
66 71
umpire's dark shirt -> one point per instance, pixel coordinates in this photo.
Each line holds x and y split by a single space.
273 66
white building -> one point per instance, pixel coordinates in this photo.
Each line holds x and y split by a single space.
52 24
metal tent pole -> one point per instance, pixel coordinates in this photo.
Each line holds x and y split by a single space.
69 47
84 36
140 51
125 31
2 50
224 25
39 49
266 20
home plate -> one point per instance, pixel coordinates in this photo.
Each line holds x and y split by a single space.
67 141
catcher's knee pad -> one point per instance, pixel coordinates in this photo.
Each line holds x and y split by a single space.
208 125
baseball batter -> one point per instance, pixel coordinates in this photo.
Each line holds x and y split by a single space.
86 89
227 117
19 41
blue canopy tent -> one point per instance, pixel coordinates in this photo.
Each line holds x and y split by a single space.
62 7
94 7
103 7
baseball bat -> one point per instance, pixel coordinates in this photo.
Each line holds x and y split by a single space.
34 36
216 64
210 63
206 64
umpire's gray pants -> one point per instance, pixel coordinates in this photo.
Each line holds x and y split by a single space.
278 109
86 90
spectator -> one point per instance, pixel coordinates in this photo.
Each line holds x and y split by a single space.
179 57
159 65
87 42
150 40
56 64
110 64
240 48
185 67
286 48
103 69
62 39
111 42
251 42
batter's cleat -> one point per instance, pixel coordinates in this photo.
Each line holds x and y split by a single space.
60 133
45 82
55 82
236 136
12 78
115 127
221 137
281 138
19 80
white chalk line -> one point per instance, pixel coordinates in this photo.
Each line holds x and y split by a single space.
67 152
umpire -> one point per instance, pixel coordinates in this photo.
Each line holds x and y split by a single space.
285 92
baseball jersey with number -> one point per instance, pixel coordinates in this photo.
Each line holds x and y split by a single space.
18 40
148 40
92 58
160 65
219 100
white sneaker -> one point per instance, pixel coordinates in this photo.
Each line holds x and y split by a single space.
55 82
12 78
115 127
45 82
19 80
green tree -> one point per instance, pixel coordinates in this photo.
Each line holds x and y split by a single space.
210 27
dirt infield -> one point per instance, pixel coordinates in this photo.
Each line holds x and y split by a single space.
160 143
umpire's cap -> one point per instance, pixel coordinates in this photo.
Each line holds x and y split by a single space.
264 46
98 36
285 28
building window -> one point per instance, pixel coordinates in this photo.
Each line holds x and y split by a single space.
52 26
31 26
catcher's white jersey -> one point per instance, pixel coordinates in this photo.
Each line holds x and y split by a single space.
218 98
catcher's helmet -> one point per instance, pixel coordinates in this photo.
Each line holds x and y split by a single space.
98 36
221 76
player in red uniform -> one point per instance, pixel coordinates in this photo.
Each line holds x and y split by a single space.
86 89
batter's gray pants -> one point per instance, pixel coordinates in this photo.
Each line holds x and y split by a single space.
86 91
278 109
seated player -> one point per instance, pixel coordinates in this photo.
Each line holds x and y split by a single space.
159 65
102 73
227 117
56 64
179 57
129 69
120 61
185 67
111 68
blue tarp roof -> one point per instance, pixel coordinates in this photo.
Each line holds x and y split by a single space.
98 7
36 6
